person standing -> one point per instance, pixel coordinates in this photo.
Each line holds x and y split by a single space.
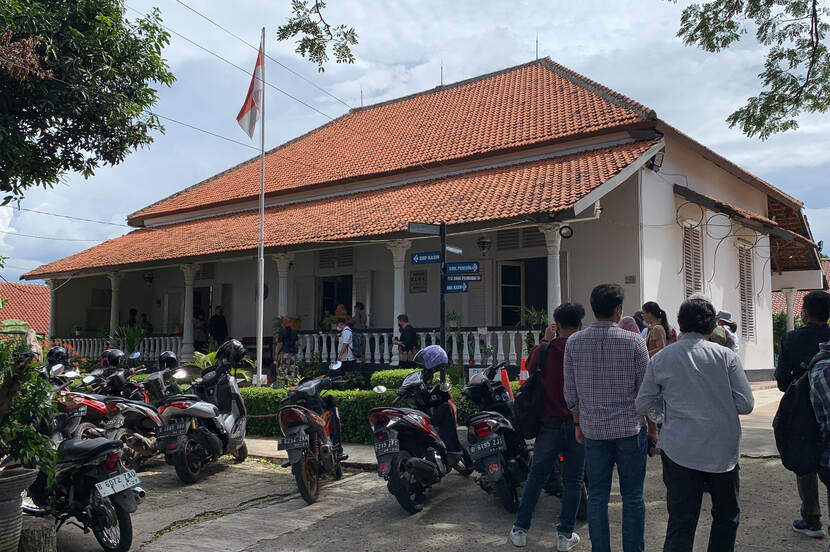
287 348
556 434
359 321
704 389
820 398
604 367
218 327
200 335
797 349
344 346
657 323
407 342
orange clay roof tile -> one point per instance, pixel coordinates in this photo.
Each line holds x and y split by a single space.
27 302
531 104
544 186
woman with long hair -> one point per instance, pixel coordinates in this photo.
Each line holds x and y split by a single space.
658 327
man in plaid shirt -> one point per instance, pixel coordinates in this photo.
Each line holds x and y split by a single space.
604 367
820 397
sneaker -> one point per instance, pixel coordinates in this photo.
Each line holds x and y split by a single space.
813 531
564 543
518 537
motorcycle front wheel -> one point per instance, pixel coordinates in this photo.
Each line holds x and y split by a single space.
187 460
308 480
117 536
399 484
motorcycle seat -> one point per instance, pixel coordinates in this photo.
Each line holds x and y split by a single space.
77 449
123 400
176 398
407 410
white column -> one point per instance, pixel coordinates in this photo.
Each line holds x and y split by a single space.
283 261
398 249
115 283
53 305
552 242
789 295
189 271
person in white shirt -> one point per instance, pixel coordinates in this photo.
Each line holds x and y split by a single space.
344 348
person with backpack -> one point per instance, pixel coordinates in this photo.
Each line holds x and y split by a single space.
820 399
556 432
798 347
704 389
604 367
345 348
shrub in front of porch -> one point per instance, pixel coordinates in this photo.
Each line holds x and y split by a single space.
392 379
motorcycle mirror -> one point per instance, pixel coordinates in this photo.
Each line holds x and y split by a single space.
135 356
56 370
180 374
97 372
72 374
334 366
444 386
379 389
88 379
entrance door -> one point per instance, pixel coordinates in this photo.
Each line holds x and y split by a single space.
511 292
334 290
202 301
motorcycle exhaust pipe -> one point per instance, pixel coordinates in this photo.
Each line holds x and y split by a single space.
139 494
425 471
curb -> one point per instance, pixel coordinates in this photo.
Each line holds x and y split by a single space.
362 466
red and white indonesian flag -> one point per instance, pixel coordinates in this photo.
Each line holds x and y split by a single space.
249 114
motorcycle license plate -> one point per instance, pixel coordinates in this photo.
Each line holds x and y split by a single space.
120 482
387 447
487 448
80 411
172 430
291 443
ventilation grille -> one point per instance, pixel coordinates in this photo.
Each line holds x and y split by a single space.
532 237
746 293
507 239
336 258
207 271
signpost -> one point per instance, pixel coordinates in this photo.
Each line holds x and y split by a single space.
464 278
457 287
429 257
439 230
462 268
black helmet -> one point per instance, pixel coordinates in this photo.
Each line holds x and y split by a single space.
168 359
57 355
112 358
230 352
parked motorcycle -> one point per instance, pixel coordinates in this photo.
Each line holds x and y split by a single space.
89 484
311 425
499 452
412 456
197 429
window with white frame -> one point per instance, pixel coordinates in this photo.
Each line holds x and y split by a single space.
746 290
692 258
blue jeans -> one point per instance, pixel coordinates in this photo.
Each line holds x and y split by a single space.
554 438
630 455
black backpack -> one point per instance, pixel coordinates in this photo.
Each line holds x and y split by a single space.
527 406
797 434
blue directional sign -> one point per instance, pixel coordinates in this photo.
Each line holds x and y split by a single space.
462 268
465 278
457 287
429 257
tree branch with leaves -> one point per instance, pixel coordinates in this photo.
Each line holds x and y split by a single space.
316 34
796 73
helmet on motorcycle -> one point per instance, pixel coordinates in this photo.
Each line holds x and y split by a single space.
57 355
431 357
168 359
112 358
230 352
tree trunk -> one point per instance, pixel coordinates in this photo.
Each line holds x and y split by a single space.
38 535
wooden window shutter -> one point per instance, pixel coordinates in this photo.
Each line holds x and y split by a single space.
692 259
746 293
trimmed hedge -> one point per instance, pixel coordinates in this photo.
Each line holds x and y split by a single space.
392 379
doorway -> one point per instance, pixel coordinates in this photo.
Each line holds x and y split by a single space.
333 291
511 292
524 283
202 301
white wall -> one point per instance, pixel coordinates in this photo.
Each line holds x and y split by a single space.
662 244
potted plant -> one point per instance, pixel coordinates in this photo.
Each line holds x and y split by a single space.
25 403
536 320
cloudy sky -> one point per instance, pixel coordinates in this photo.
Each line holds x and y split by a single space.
633 50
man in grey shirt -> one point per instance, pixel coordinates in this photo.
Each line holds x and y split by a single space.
704 389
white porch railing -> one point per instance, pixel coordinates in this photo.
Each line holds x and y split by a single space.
149 347
465 346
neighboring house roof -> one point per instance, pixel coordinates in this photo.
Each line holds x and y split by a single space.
529 192
28 302
779 302
525 106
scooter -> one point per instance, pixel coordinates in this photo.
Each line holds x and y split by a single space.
197 429
89 485
311 425
411 455
499 452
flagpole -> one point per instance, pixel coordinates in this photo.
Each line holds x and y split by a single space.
261 251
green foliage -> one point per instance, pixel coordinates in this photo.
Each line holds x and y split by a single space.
354 380
310 368
779 328
316 34
14 326
536 319
129 338
81 96
392 379
796 74
203 361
